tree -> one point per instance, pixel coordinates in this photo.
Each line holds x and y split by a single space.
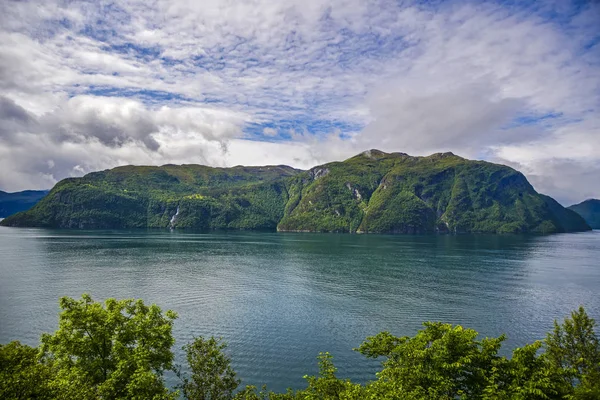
326 385
212 377
526 376
120 350
441 362
573 349
251 392
22 376
115 350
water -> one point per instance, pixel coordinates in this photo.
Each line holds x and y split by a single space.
279 299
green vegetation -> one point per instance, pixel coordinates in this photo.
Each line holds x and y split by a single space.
117 350
372 192
211 374
149 197
11 203
397 193
120 349
590 211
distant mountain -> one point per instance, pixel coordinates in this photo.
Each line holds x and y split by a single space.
589 210
11 203
373 192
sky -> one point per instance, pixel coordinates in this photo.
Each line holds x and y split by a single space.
86 86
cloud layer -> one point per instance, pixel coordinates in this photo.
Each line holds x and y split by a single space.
92 85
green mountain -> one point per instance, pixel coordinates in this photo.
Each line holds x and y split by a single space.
398 193
372 192
590 211
11 203
182 196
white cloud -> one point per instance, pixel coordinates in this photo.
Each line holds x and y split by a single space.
565 164
270 132
89 85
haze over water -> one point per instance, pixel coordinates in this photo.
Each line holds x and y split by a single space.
278 299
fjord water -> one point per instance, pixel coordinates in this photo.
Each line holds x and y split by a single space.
280 298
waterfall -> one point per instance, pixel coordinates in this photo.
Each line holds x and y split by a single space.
174 218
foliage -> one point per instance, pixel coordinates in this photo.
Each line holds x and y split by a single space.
22 375
120 349
573 348
212 377
326 385
371 192
449 362
440 362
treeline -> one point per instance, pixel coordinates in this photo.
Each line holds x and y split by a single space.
120 349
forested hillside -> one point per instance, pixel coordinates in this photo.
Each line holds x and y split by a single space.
373 192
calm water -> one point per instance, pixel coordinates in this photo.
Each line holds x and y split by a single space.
279 299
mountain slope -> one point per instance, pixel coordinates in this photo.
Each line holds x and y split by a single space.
589 210
186 196
371 192
397 193
11 203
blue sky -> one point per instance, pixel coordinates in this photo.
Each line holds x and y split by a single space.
93 85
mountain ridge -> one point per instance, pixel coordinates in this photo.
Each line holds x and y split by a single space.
371 192
14 202
589 210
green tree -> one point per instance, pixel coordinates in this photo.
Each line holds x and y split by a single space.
120 349
440 362
22 376
326 385
526 376
574 351
114 350
251 393
212 377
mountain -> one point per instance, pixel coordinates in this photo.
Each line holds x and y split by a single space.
11 203
372 192
185 196
397 193
590 211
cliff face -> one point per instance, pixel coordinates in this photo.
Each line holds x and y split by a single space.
589 210
371 192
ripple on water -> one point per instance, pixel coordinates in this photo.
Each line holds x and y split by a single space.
279 299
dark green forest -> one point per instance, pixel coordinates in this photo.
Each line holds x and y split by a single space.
373 192
120 349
